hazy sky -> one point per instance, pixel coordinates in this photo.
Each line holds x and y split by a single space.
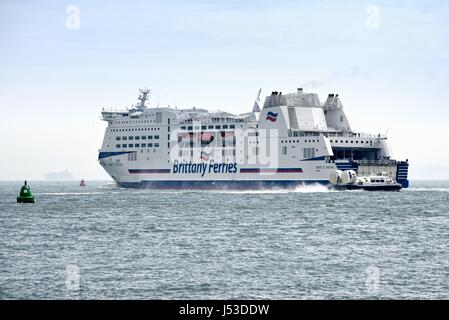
388 60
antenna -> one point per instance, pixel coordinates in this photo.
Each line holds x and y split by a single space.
143 97
158 96
258 95
256 107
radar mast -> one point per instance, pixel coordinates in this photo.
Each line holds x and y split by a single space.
143 97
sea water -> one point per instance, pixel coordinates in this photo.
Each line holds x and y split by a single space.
103 242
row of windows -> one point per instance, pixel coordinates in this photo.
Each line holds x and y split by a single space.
150 115
224 152
225 126
136 138
297 141
135 129
307 152
292 133
224 119
352 141
138 145
219 120
138 121
336 141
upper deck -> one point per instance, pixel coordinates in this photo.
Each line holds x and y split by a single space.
293 115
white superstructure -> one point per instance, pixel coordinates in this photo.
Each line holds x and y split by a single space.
293 139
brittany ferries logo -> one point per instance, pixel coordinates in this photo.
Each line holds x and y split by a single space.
272 116
204 156
203 168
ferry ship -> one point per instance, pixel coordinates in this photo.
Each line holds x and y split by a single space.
293 140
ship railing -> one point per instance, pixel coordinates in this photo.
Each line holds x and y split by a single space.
210 120
354 135
381 162
114 110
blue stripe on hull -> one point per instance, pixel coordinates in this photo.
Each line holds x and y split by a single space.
273 170
220 184
315 159
132 171
103 155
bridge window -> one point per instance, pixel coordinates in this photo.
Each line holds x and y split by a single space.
117 146
309 152
132 156
118 138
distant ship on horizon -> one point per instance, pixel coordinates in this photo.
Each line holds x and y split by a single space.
59 176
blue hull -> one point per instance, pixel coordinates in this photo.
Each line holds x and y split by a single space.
221 184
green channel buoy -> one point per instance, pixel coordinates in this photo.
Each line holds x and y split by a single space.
25 194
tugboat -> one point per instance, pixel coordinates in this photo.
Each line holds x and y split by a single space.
25 195
348 180
82 183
